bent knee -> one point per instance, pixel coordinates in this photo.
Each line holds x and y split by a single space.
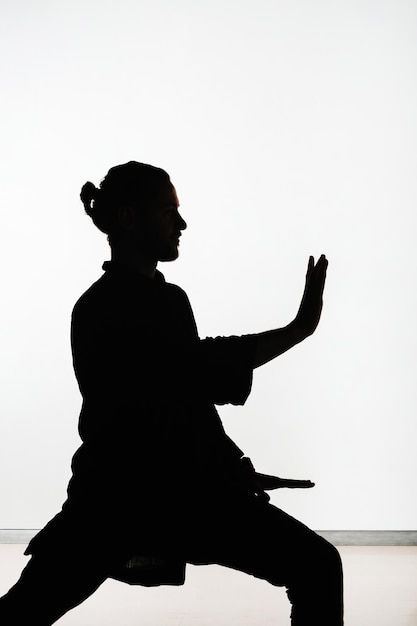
328 554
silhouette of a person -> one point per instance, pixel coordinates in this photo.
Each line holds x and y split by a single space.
157 483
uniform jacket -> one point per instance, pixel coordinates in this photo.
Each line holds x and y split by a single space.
153 446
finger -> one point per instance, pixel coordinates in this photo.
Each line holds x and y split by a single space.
323 272
297 484
310 266
302 484
268 483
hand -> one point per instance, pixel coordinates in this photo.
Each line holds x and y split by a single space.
309 313
267 483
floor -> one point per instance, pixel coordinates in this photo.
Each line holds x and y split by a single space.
380 590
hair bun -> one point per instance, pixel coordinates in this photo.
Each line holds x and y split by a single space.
88 194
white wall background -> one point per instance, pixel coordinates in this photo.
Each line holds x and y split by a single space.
289 129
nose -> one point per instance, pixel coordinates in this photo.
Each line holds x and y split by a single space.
182 224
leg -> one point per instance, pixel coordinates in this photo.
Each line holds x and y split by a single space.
48 588
262 540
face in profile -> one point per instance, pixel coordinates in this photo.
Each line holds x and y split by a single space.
161 226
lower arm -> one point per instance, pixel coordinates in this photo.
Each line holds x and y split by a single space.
272 343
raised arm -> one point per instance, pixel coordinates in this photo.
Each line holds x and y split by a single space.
272 343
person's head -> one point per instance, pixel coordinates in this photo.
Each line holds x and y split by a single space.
136 205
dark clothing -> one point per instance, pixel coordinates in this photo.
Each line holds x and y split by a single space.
153 442
257 538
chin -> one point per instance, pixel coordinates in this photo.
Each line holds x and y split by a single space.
169 255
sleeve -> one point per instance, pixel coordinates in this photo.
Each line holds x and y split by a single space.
225 368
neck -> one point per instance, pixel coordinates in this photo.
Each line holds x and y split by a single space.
134 260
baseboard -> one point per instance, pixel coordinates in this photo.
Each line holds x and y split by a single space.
370 537
17 535
337 537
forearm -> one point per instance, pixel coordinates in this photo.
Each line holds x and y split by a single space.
272 343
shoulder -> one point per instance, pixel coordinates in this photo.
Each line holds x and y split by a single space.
96 296
175 291
177 295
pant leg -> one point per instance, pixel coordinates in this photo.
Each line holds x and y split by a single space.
48 588
264 541
258 539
